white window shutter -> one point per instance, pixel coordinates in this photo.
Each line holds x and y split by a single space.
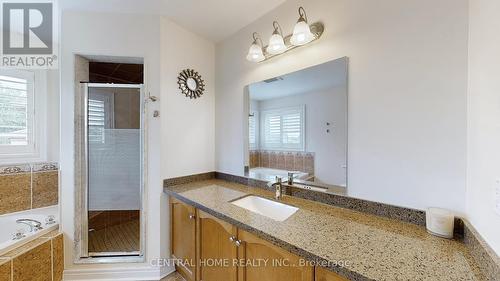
252 130
292 128
96 120
17 114
13 111
283 129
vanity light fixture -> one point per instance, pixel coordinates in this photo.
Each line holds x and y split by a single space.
255 53
303 33
276 43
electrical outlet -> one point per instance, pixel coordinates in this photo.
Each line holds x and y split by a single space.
497 196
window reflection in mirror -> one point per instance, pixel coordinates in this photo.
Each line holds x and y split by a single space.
298 123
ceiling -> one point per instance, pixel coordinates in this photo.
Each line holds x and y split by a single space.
324 76
121 73
212 19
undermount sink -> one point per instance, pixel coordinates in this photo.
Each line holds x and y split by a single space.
262 206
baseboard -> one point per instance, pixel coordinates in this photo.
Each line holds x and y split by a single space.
118 274
166 271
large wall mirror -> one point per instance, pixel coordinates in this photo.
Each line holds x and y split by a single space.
297 124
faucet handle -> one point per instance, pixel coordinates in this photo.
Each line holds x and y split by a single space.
279 188
50 219
290 177
19 234
270 184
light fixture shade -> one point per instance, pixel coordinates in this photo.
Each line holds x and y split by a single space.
276 44
301 34
255 53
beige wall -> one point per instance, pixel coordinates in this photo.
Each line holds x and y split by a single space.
407 93
180 141
187 125
484 120
122 35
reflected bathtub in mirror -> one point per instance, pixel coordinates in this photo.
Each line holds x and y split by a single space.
297 123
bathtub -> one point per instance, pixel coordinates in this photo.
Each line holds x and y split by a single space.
269 174
10 227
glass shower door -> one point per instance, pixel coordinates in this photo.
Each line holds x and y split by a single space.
114 169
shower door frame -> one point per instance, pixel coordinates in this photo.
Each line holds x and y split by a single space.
81 230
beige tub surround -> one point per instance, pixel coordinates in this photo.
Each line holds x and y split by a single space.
283 160
15 190
28 186
57 241
45 185
370 247
5 269
38 260
34 264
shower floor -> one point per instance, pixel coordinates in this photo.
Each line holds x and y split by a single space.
114 231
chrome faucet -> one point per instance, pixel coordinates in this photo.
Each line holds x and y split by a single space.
33 224
290 177
279 187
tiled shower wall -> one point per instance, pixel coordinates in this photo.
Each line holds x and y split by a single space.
283 160
28 186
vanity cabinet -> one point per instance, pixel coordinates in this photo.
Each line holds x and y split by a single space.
326 275
183 237
216 249
261 260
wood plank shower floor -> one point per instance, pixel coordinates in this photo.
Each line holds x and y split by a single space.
123 237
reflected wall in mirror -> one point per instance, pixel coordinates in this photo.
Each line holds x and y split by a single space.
298 123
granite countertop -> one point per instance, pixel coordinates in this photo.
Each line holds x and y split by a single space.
371 247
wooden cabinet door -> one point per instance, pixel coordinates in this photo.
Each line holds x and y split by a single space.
183 237
323 274
280 266
216 251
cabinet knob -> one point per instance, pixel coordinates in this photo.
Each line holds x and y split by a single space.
237 243
232 238
191 216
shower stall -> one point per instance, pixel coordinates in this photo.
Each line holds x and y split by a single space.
112 173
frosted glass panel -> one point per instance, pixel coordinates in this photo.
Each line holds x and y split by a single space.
114 159
114 170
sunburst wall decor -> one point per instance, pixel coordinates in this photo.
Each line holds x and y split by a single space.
191 84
